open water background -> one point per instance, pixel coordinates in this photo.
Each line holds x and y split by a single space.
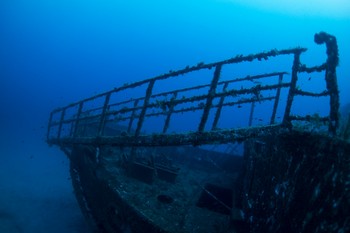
55 52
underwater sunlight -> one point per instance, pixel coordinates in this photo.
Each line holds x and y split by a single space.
318 8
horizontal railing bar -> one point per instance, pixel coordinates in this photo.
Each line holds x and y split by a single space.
88 111
203 97
193 108
224 82
190 99
199 66
250 78
309 118
306 93
81 119
192 88
234 92
126 101
202 86
304 69
174 139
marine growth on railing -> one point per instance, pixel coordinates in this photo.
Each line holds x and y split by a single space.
128 107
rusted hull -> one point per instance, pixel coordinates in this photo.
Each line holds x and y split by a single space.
102 204
292 181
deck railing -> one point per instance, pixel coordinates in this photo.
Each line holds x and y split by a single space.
66 128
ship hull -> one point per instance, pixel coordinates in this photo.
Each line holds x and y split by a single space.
292 180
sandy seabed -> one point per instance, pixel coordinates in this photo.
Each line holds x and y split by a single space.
36 194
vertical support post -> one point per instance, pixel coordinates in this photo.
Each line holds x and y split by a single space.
277 99
103 115
61 123
132 117
77 119
252 108
170 111
293 84
144 108
218 111
210 98
71 128
331 77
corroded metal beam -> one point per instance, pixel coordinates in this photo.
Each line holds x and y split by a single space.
331 77
190 138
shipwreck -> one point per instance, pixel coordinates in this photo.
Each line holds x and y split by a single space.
214 147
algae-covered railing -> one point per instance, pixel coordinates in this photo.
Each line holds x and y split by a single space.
70 124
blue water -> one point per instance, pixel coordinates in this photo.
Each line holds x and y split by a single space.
56 52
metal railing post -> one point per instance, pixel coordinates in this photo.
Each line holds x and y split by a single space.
77 120
103 115
277 99
132 117
61 123
218 111
331 77
293 85
170 111
252 108
144 108
211 94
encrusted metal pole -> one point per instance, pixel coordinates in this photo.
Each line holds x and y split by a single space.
293 84
218 111
277 99
61 123
132 117
78 118
210 98
103 115
171 109
331 77
144 108
252 108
